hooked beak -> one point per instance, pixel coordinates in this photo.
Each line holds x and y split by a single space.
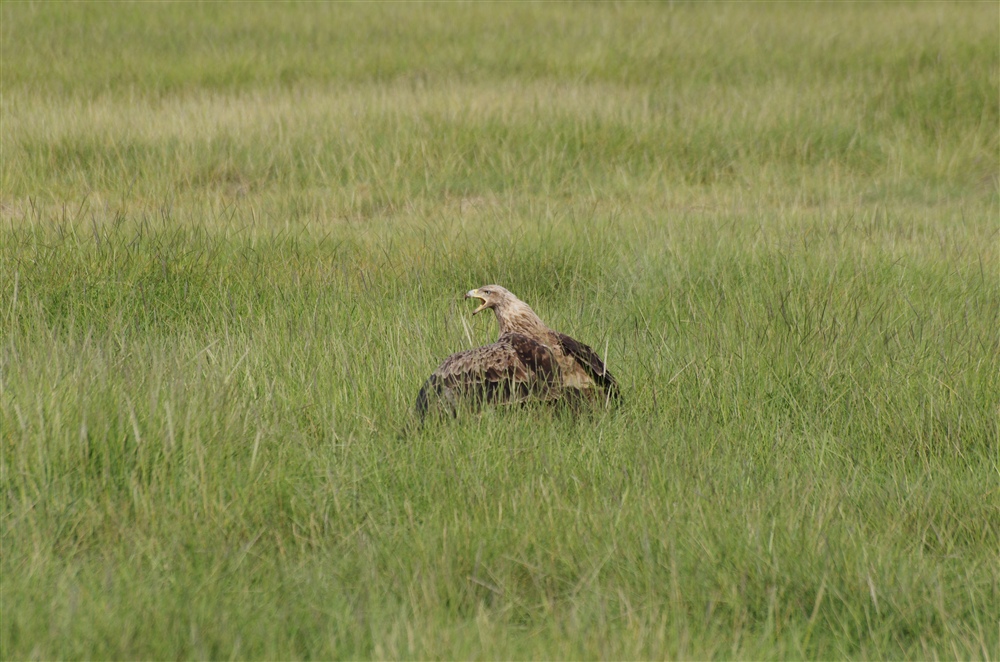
474 294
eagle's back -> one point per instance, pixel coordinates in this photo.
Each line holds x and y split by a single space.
510 370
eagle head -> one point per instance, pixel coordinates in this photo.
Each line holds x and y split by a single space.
513 315
492 296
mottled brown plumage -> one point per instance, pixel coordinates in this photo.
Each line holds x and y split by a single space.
528 361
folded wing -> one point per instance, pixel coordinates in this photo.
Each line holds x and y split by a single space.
591 364
510 370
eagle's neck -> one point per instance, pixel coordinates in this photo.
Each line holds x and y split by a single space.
520 318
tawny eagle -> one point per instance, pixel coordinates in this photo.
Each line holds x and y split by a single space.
529 361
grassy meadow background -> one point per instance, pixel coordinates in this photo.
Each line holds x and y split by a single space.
233 242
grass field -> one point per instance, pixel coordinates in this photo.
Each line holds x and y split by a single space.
234 240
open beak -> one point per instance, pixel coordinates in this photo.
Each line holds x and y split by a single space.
474 294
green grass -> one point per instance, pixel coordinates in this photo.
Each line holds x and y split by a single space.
234 240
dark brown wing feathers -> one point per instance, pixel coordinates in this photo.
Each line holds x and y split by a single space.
508 370
590 362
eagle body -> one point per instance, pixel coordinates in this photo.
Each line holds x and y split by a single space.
529 361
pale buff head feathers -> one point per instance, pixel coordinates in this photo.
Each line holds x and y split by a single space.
513 315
